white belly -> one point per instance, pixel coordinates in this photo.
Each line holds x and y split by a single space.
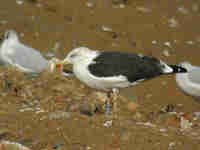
101 83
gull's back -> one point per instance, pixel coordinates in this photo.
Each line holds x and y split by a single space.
29 59
15 53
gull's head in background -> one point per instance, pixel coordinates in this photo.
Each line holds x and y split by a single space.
10 36
78 55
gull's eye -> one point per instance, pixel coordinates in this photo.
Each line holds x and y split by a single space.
6 35
73 55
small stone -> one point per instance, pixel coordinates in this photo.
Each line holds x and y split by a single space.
168 44
90 4
154 42
172 146
173 23
108 123
59 115
185 124
190 42
106 29
168 108
20 2
86 109
143 9
183 10
197 115
163 130
166 53
173 121
132 106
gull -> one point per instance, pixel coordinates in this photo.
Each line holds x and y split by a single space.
25 58
111 71
189 82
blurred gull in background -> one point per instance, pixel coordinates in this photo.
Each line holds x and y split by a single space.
25 58
189 82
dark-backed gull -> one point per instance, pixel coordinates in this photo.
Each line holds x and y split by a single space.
110 71
25 58
189 82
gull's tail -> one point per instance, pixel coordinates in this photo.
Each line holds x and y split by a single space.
170 69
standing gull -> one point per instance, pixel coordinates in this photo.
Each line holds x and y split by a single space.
110 71
25 58
189 82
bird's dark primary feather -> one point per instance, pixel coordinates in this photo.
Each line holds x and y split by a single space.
131 65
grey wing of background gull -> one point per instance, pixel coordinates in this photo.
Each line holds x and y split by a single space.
194 76
29 58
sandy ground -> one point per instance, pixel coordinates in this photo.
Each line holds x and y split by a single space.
56 112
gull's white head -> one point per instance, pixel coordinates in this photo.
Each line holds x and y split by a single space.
11 35
78 55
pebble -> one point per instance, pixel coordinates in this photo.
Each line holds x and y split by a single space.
163 130
154 42
168 44
132 106
197 115
172 146
143 9
185 124
173 121
90 4
168 108
59 115
106 29
173 23
86 109
166 53
20 2
108 123
183 10
190 42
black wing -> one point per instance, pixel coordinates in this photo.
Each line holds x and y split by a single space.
131 65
